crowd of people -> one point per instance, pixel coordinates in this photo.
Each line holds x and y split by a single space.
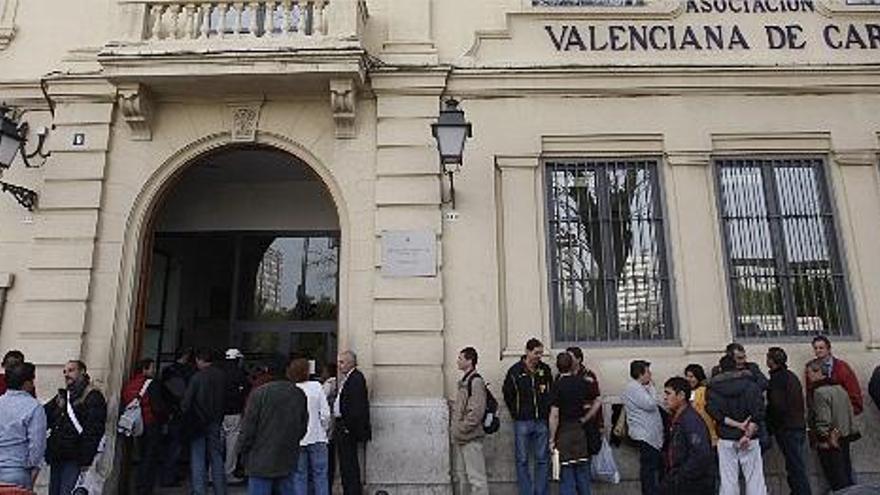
702 436
226 419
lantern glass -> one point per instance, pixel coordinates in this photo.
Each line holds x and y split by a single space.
9 146
450 141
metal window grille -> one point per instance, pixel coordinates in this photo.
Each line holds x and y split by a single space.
785 272
607 264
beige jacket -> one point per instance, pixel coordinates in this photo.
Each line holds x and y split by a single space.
831 411
467 412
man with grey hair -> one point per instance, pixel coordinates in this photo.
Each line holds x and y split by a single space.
351 411
832 422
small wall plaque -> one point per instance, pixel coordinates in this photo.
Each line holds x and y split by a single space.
409 253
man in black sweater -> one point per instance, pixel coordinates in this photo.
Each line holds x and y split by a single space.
735 402
785 419
203 408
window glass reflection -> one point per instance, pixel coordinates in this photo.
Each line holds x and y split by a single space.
288 278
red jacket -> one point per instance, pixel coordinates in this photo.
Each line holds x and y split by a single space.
131 390
843 375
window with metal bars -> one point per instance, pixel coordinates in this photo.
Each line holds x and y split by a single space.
607 261
785 272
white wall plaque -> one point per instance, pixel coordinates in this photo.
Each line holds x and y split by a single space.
409 253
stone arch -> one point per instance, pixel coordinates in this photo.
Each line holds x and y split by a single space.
137 230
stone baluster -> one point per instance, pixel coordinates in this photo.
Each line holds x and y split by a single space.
254 20
189 21
158 11
286 12
318 27
222 9
239 12
175 21
269 21
205 13
303 17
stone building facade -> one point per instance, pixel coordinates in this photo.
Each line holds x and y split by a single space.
646 180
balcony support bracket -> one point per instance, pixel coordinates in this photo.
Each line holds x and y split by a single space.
137 110
343 101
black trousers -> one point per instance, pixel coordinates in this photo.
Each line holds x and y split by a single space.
147 471
837 466
349 466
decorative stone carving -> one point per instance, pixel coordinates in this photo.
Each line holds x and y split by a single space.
343 102
7 21
137 110
245 120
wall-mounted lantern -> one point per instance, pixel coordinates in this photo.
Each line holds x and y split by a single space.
451 131
13 138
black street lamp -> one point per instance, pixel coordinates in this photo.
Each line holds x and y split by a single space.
13 137
451 131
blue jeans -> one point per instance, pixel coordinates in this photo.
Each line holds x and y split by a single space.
650 467
273 486
211 445
16 476
792 443
62 477
574 479
310 475
532 436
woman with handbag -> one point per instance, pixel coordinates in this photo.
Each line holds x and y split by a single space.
570 409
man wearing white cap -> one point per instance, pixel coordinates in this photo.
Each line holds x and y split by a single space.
237 388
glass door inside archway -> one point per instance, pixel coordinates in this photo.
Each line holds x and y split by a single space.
267 293
288 295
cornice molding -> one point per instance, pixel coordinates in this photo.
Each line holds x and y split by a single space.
779 142
689 158
856 157
521 162
662 81
596 145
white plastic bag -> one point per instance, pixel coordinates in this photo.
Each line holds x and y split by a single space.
603 466
91 481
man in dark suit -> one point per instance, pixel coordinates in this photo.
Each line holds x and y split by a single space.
352 413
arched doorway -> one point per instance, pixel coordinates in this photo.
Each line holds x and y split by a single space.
243 251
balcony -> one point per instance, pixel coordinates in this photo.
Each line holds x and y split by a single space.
168 38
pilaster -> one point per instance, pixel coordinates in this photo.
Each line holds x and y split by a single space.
56 299
410 39
695 244
410 411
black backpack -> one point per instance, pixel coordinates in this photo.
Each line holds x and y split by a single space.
491 421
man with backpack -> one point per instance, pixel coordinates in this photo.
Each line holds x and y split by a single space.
468 413
148 393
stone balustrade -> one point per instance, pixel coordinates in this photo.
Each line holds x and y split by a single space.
188 20
178 19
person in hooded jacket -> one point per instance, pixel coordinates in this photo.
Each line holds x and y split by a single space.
76 430
736 404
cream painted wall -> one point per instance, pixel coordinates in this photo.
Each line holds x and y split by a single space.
514 126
